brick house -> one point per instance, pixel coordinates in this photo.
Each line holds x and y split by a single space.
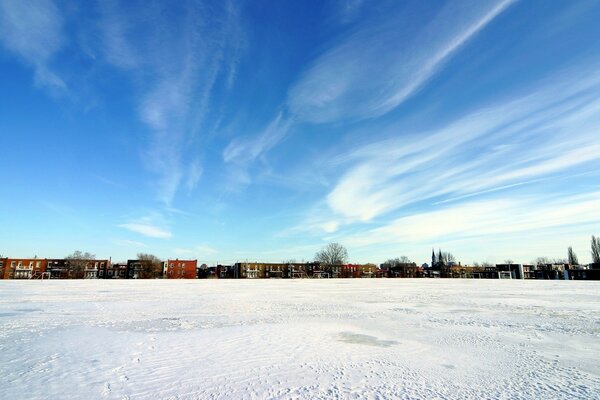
181 269
23 268
2 265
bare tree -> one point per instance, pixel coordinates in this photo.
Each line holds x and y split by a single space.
508 261
595 249
332 254
77 263
541 261
448 258
572 257
546 260
394 262
152 266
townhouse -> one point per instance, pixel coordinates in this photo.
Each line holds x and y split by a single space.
181 269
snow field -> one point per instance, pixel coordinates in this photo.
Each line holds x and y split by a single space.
310 339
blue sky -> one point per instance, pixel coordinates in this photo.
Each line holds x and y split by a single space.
263 130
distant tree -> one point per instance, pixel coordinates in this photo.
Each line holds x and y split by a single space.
546 260
77 263
509 261
572 257
541 261
394 262
487 264
332 254
595 249
152 266
447 258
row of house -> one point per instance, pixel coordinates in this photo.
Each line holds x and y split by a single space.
516 271
35 268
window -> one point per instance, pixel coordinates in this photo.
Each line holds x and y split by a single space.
101 273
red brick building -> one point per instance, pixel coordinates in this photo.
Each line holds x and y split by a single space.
181 269
23 268
2 265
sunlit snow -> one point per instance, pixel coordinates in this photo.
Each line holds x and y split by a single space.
364 338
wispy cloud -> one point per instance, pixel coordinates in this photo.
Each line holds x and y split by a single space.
147 230
378 66
244 150
128 243
196 251
152 225
176 61
480 219
550 130
347 10
370 71
33 29
241 152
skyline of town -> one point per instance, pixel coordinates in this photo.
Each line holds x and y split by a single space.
226 130
340 253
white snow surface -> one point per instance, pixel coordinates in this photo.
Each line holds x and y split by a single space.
308 339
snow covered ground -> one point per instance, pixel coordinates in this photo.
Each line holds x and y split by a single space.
364 338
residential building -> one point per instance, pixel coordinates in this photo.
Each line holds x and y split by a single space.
23 268
515 271
95 269
2 265
181 269
550 271
116 271
58 268
405 270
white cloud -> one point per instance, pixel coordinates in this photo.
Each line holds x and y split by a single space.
195 171
245 150
176 65
152 225
33 29
551 130
478 220
200 251
377 67
128 243
241 152
147 230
